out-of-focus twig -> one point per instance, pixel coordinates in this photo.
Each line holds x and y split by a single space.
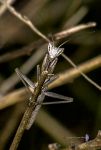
73 7
84 75
25 20
73 30
71 74
3 8
26 50
76 18
13 98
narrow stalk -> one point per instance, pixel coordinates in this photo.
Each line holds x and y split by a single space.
28 113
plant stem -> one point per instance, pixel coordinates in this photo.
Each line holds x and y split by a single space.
21 128
28 113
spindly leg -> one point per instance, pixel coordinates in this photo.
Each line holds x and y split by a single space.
58 96
26 81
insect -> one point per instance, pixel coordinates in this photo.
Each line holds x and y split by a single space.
48 66
31 86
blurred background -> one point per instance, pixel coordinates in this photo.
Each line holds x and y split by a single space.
21 47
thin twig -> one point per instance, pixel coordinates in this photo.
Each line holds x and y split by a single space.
71 74
26 50
84 75
74 29
3 8
25 20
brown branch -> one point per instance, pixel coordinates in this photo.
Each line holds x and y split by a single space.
73 30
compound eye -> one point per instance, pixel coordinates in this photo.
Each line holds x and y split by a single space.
49 46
